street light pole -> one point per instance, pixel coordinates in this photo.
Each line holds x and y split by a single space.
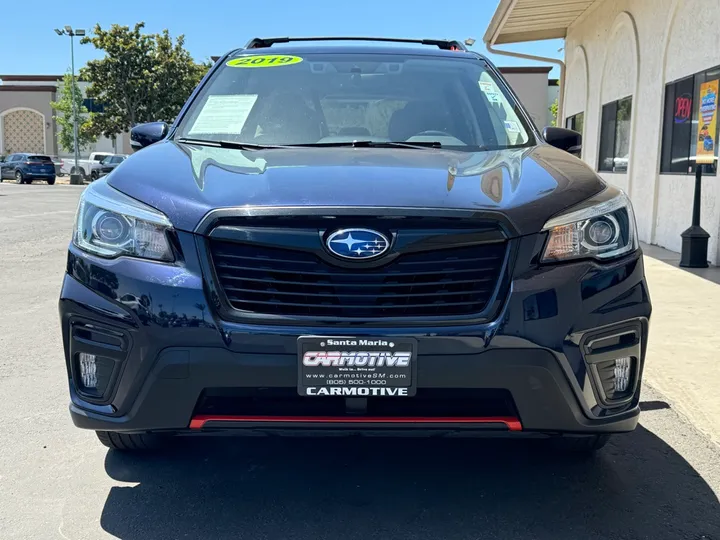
75 120
75 177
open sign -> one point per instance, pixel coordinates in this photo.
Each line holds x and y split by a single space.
683 108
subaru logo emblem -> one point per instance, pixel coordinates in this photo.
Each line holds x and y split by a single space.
357 243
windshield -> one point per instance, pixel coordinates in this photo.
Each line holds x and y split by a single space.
326 98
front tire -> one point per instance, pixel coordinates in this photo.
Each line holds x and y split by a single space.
130 442
94 176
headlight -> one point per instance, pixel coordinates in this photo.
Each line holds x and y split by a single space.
602 227
111 224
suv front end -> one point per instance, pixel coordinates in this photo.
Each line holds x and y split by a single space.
334 286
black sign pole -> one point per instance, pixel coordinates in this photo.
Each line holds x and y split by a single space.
695 239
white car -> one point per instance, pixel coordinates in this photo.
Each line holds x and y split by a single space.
88 168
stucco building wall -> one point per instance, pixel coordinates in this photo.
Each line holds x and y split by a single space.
38 101
531 86
34 93
635 47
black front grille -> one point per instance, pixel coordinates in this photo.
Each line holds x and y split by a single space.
278 281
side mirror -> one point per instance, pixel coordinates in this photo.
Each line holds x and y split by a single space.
146 134
564 139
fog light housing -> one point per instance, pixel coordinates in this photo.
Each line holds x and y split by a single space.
622 373
88 370
616 378
93 374
613 355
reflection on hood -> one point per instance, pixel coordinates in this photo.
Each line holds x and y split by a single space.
490 167
186 181
236 161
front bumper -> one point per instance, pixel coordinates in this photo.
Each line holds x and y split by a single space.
168 350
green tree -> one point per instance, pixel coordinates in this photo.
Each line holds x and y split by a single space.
142 78
63 108
553 112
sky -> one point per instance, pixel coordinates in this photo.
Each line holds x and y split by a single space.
212 28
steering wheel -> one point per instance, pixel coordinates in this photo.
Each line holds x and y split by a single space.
433 133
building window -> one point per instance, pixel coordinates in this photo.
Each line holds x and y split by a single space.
685 127
93 106
615 136
576 122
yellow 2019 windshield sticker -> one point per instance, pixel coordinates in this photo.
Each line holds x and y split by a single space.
265 60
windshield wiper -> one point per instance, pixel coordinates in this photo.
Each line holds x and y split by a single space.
372 144
350 144
229 144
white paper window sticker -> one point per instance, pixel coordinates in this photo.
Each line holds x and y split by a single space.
512 127
224 114
491 93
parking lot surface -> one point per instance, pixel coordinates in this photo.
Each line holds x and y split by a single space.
660 482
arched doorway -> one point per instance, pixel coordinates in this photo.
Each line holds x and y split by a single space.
23 130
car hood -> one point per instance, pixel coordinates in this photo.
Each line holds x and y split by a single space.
527 185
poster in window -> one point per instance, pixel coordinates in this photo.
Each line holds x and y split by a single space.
707 122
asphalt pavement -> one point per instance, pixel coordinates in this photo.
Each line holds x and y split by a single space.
660 482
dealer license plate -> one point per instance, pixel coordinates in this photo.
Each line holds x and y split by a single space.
356 366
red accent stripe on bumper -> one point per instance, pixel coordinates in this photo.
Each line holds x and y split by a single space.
513 424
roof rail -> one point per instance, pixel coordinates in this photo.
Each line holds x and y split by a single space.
445 44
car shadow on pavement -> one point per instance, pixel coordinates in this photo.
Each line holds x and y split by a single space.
227 487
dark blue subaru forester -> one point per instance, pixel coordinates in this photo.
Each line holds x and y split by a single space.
364 238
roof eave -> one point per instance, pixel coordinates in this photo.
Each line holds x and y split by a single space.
27 88
537 35
497 20
31 78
